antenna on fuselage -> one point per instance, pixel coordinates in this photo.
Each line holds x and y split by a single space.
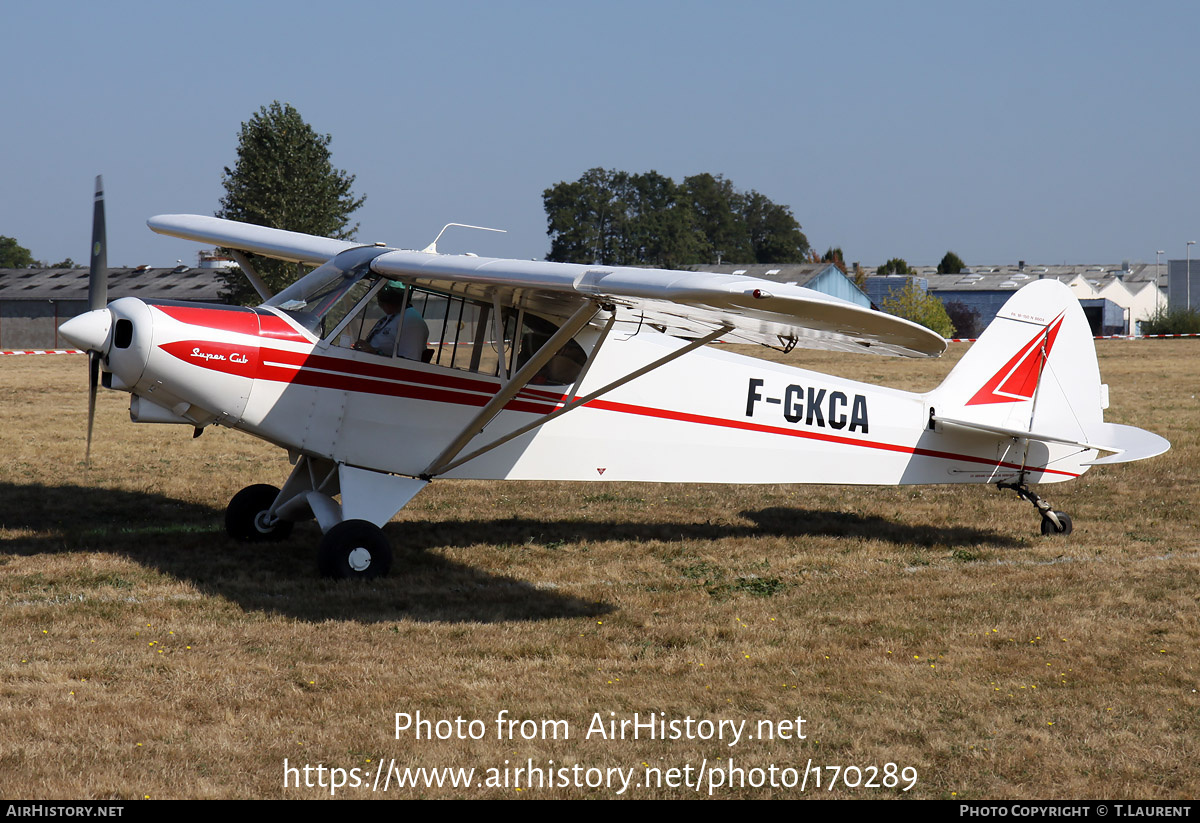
432 247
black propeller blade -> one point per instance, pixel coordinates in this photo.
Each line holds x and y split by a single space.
97 299
98 275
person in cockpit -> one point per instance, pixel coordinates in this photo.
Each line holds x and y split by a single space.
408 324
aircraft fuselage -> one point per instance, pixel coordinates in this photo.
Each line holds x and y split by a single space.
710 416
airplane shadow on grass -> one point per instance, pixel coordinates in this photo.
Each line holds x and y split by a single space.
188 542
775 521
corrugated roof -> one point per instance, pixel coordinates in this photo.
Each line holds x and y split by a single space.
179 283
1010 280
1103 273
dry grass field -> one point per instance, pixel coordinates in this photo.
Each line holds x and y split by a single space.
144 654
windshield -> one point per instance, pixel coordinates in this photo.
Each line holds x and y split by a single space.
321 298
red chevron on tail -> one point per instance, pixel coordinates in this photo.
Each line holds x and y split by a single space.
1018 379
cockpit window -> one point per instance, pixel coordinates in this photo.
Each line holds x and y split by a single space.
562 369
465 334
454 331
320 299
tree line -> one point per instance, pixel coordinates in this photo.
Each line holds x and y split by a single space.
616 218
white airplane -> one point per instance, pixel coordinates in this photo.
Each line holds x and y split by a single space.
549 371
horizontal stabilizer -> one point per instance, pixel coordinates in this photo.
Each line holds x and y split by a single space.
1127 443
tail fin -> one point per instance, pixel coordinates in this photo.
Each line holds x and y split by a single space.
1033 374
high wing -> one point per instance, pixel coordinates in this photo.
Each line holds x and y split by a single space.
292 246
681 303
684 304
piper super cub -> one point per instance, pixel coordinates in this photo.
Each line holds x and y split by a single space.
383 369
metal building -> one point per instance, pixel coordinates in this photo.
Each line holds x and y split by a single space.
1181 293
35 302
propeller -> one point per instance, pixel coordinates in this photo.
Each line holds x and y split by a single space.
97 299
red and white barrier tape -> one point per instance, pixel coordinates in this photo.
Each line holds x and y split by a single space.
1102 337
42 351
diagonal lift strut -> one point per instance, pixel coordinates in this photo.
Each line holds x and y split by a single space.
446 460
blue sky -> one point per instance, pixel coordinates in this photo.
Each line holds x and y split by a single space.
1042 131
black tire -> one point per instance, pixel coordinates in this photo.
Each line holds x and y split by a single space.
245 512
354 550
1048 527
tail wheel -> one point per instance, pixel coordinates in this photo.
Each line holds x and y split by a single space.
354 549
1064 527
246 517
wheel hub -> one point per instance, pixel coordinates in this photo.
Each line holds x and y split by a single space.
359 559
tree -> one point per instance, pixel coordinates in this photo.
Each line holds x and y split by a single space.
897 265
658 229
580 217
914 303
717 210
775 236
13 255
835 256
951 264
284 179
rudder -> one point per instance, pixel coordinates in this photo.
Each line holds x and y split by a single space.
1033 369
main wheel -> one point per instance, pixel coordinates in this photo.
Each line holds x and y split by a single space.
1048 527
246 516
354 549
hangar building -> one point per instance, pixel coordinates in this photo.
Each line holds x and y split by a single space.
35 302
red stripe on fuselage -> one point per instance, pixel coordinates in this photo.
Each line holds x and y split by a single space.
274 327
388 385
688 417
233 318
236 319
386 371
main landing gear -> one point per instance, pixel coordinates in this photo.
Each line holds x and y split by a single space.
353 545
1053 522
350 549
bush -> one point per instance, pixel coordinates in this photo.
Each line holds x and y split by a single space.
912 303
1178 321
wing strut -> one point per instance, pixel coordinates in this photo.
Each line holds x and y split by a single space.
570 405
587 365
509 389
248 270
